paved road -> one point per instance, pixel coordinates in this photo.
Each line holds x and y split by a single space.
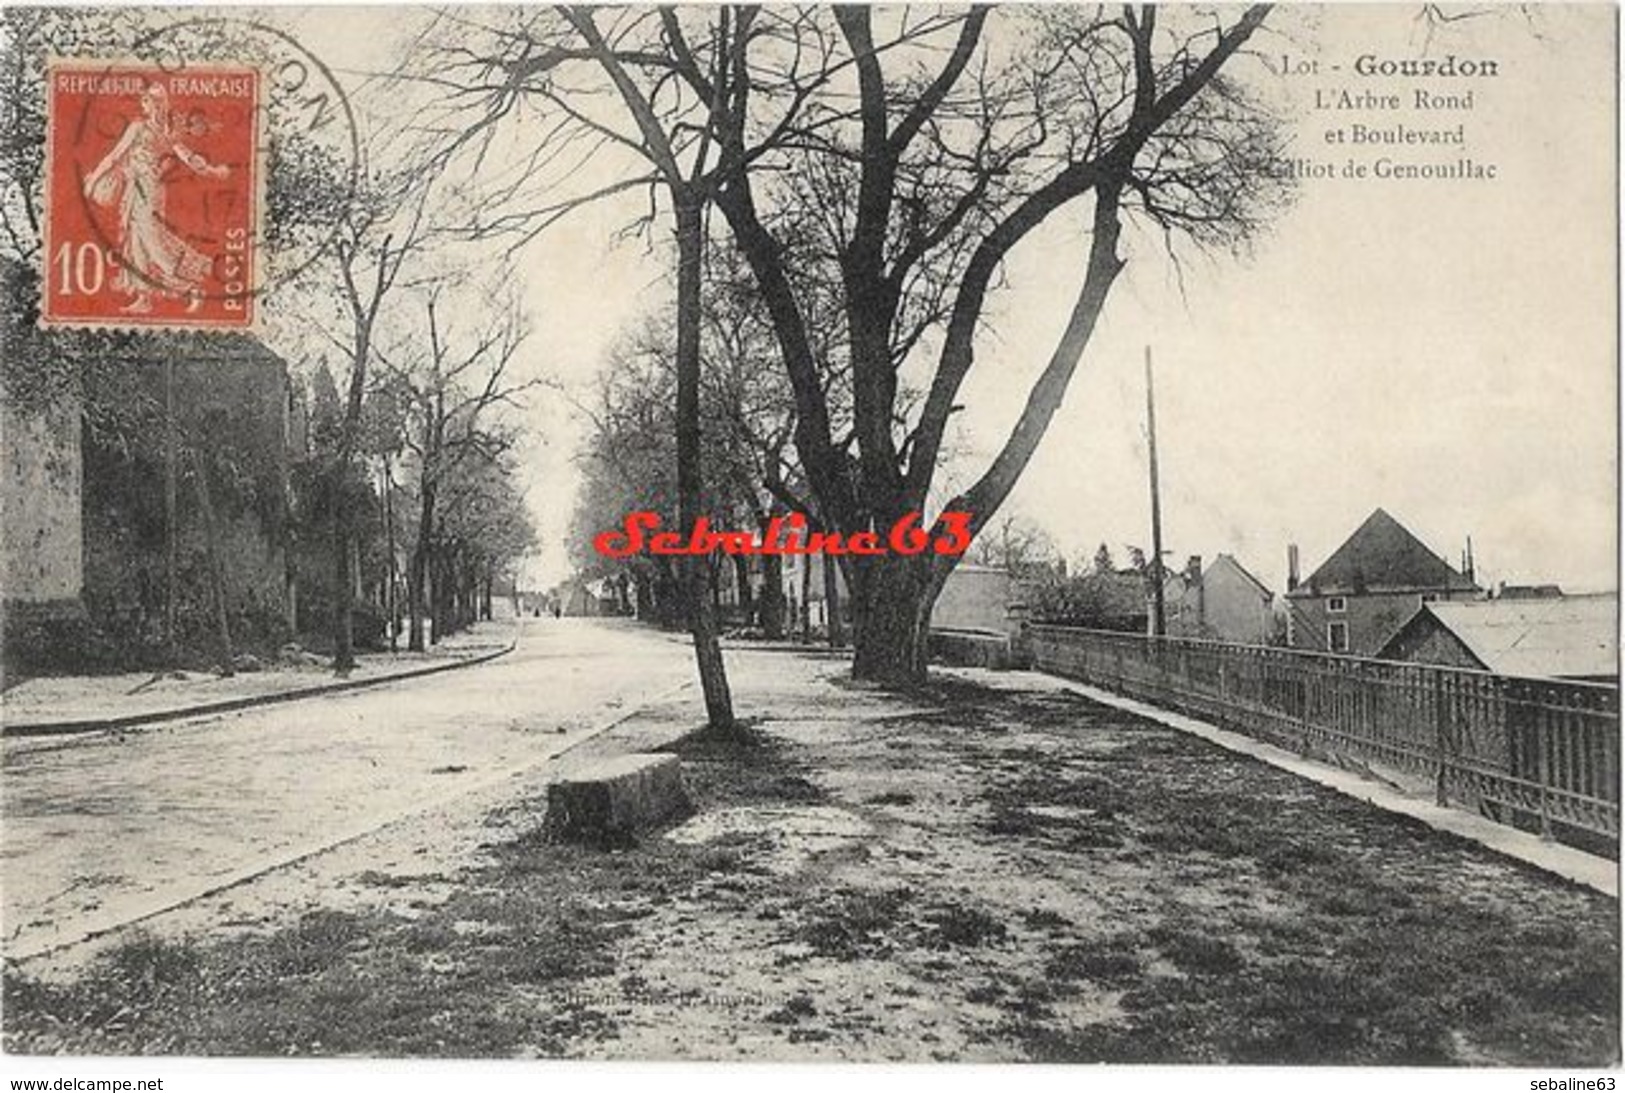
104 829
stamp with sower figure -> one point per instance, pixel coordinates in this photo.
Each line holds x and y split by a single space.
152 195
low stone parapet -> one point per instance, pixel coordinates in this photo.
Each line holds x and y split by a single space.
971 649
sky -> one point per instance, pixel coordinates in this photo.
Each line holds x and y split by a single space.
1446 351
1442 349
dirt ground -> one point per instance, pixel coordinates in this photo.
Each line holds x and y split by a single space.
991 869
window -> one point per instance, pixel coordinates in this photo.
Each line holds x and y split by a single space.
1336 605
1337 637
1430 597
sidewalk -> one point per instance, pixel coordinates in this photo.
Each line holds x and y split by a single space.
68 704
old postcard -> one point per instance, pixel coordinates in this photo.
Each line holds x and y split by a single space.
793 533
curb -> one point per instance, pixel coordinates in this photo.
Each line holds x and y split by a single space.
229 705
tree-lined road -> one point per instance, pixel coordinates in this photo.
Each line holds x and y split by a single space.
106 829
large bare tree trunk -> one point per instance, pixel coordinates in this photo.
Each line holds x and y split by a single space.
439 594
343 595
643 598
417 575
391 606
669 610
891 613
806 599
695 571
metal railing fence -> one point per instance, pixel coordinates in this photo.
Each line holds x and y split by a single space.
1524 751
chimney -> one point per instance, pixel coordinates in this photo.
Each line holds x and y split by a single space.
1193 574
1291 566
1467 562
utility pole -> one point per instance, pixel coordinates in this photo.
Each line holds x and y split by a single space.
1159 617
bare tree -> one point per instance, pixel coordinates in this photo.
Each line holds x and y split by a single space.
936 175
482 530
746 416
682 164
378 233
450 381
888 161
1014 543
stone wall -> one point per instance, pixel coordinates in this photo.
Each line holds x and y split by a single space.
974 598
231 407
40 499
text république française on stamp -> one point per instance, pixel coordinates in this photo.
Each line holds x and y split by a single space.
153 195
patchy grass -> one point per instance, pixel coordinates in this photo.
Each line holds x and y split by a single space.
1042 878
448 982
519 960
852 923
1310 928
748 766
1112 961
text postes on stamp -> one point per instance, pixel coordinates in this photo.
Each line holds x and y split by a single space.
152 195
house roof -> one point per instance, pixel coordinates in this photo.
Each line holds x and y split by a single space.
1303 631
1258 585
1576 636
1382 556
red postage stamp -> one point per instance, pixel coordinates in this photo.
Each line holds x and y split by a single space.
152 196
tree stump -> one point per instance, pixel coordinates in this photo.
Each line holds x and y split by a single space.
610 802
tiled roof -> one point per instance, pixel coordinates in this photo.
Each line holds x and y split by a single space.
1304 632
1381 556
1570 637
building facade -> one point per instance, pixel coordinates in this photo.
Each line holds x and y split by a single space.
1223 602
1369 588
1569 637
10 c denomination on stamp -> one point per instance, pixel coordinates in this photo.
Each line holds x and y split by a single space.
153 195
